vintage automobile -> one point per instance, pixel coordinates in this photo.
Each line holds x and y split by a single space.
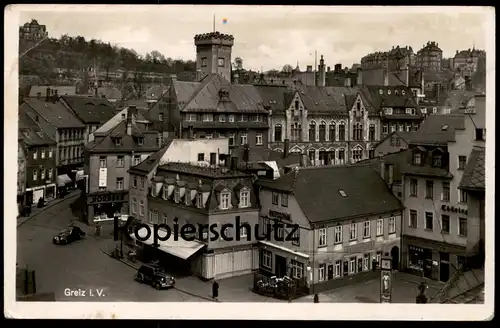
68 235
154 275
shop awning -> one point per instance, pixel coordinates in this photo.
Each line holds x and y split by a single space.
80 175
291 251
62 180
181 248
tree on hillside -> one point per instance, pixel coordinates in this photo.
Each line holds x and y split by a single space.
287 69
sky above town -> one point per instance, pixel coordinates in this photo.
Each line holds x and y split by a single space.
267 37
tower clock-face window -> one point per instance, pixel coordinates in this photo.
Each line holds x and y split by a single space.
204 61
221 62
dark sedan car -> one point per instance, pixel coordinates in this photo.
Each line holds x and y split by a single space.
68 235
155 276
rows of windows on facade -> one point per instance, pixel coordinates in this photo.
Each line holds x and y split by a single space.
180 194
120 163
41 173
350 267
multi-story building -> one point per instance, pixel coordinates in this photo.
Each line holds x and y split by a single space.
93 112
399 110
467 61
214 197
40 167
32 32
213 107
430 57
204 152
347 220
21 171
435 229
396 58
107 161
61 125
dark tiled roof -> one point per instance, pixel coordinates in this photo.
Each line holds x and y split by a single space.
55 113
382 96
426 171
432 131
273 96
109 93
375 77
216 173
30 133
206 97
459 98
317 192
127 143
90 110
149 164
61 90
268 155
325 99
399 160
155 92
475 171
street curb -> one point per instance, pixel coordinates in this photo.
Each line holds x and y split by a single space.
46 208
176 288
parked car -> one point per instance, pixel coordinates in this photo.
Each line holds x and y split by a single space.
68 235
155 276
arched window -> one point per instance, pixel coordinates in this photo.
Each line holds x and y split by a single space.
357 154
332 132
357 132
322 131
278 133
341 131
312 131
371 132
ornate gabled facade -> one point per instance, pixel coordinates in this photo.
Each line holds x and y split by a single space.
397 107
332 125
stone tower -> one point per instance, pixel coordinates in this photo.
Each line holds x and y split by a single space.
213 54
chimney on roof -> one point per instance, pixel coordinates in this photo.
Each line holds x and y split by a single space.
309 68
386 77
286 146
382 169
322 75
131 112
328 69
337 68
359 77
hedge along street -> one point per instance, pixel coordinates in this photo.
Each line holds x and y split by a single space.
188 231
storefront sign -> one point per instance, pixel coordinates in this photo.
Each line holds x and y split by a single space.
386 280
279 215
360 248
106 198
103 176
453 209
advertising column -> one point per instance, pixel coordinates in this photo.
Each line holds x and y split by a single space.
386 280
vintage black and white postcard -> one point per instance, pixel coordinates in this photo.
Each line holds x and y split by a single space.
249 162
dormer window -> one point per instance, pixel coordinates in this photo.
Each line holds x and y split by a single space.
417 159
199 200
358 106
244 198
160 117
208 118
140 141
437 160
231 118
296 104
225 200
222 118
117 141
381 91
403 92
388 111
388 92
177 195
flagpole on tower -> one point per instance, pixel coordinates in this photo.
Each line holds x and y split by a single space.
214 23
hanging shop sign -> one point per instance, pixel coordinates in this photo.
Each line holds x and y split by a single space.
386 280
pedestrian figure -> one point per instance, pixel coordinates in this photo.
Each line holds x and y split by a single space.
98 230
316 298
421 297
215 290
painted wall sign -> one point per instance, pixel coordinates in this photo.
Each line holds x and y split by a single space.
279 215
453 209
103 176
107 198
360 248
